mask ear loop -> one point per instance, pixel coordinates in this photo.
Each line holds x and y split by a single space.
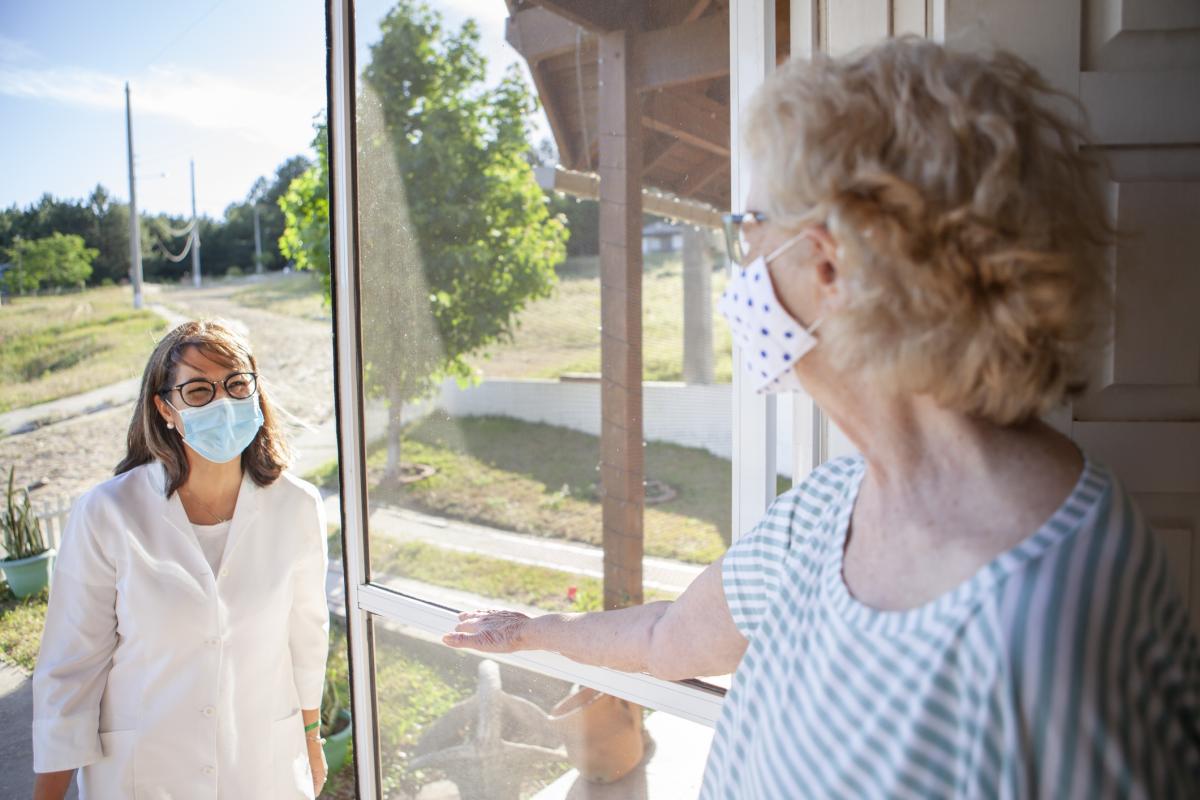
783 248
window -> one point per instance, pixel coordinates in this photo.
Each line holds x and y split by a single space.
538 409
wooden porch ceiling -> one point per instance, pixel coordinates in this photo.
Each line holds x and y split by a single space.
680 65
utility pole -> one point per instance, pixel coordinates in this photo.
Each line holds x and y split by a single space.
258 267
195 232
135 228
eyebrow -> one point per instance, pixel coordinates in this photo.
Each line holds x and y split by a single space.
204 375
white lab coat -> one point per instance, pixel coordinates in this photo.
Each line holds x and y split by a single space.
161 680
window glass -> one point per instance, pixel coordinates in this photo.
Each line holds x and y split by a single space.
549 412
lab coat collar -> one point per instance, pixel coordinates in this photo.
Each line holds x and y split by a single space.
244 513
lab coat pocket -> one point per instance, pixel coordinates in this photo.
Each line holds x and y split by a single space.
111 776
293 776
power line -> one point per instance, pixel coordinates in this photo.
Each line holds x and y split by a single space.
181 34
171 256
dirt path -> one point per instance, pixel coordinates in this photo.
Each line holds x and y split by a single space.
295 355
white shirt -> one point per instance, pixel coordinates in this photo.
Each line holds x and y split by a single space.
158 677
212 540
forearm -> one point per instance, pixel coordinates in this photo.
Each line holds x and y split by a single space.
51 785
619 639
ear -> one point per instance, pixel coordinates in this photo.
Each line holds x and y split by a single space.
165 411
828 267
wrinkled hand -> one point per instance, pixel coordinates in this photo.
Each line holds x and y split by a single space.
490 631
316 763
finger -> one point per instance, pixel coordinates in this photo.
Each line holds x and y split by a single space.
474 625
475 641
457 639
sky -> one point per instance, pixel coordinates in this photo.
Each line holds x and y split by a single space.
235 85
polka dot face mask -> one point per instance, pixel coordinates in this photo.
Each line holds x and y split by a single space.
771 339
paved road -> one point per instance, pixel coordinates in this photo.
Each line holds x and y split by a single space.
16 745
464 537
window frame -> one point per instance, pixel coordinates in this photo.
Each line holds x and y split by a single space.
752 57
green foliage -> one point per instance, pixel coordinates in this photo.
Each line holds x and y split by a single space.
57 261
104 226
305 209
454 232
331 699
20 527
582 220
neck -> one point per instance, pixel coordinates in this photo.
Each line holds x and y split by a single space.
212 483
917 451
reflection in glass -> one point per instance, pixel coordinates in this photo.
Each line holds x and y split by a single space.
499 732
482 298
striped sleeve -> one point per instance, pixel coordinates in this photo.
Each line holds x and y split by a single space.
753 567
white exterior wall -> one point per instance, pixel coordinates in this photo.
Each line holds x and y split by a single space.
690 415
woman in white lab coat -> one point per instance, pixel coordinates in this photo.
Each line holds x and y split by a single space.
185 641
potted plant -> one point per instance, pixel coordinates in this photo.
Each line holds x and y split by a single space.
336 729
27 560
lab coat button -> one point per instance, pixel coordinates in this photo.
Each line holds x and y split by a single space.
225 573
214 642
208 711
209 770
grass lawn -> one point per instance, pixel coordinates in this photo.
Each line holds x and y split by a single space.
21 623
297 294
495 578
542 480
527 584
561 333
57 346
555 335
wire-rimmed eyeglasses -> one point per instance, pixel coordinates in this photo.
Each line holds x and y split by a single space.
198 392
735 242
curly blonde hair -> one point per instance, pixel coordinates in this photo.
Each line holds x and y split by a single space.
968 214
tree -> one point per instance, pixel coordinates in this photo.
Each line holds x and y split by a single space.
305 209
109 235
56 261
454 233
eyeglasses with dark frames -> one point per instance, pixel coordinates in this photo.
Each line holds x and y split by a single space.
199 392
735 242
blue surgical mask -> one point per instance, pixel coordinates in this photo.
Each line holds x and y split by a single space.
221 430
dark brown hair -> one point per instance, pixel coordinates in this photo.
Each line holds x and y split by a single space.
149 438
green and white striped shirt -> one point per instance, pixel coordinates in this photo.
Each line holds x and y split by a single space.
1064 668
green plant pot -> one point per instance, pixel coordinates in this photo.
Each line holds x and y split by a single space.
337 745
28 576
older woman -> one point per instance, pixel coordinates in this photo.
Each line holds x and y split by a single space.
185 642
972 607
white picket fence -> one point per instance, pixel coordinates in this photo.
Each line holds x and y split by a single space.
52 513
